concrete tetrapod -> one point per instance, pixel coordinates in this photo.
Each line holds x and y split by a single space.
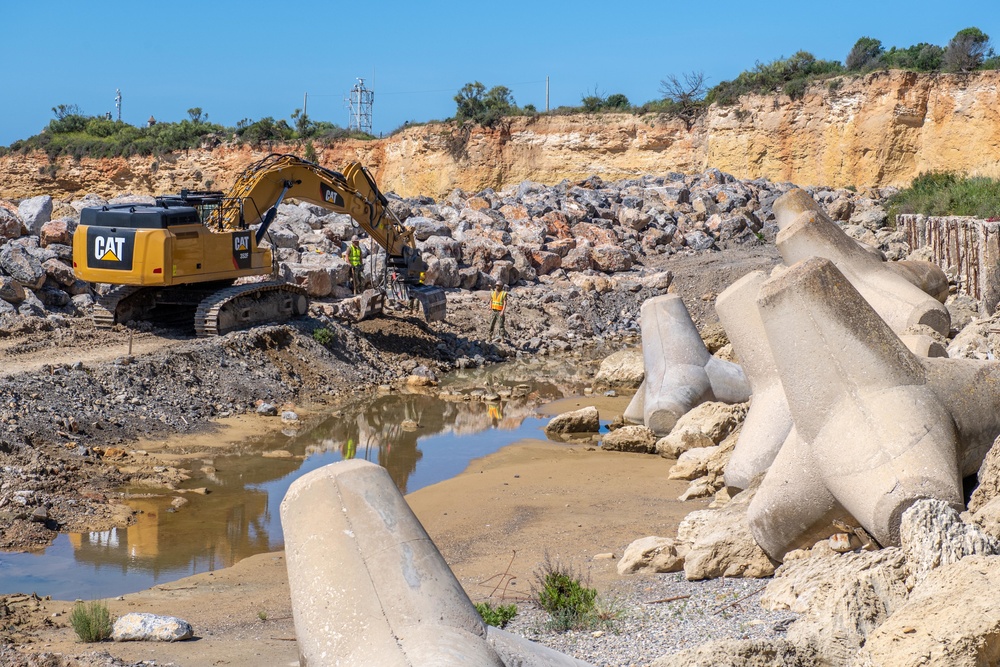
680 372
876 428
369 587
768 420
806 231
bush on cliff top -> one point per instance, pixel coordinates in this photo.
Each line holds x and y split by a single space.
946 193
77 135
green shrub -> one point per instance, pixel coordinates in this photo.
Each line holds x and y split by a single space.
91 621
947 193
778 74
498 616
323 336
559 592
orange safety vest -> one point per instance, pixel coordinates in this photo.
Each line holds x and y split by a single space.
499 299
354 255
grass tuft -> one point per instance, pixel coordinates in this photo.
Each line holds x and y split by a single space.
91 621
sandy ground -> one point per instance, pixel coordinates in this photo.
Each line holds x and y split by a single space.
495 524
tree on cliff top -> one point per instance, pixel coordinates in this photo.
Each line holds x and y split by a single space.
865 54
967 50
482 106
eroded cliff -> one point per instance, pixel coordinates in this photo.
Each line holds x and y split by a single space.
882 129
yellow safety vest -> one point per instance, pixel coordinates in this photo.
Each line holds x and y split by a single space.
499 298
354 255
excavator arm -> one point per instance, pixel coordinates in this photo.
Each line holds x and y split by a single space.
261 187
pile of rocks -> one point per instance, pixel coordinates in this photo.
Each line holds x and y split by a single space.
528 234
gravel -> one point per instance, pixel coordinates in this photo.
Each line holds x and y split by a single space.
648 624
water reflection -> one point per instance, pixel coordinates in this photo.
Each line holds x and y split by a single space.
421 437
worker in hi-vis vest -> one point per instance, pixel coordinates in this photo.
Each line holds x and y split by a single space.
498 305
353 257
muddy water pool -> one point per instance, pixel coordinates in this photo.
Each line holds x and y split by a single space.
420 437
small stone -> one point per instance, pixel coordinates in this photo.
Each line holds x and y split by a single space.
605 556
278 454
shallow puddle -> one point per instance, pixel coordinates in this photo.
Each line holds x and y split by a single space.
420 438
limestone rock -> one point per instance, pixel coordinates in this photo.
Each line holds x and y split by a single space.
11 291
933 535
949 619
716 420
10 225
705 425
56 231
672 446
585 420
35 212
651 555
692 464
632 438
720 545
842 598
150 627
22 266
989 479
744 653
622 370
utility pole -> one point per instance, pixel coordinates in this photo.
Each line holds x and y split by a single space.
546 94
118 103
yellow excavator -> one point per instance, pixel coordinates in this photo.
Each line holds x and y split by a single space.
188 251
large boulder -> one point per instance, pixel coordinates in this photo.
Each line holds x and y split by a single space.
585 420
632 438
989 479
57 232
704 425
424 228
611 259
10 225
719 543
35 212
20 265
11 291
744 653
842 598
950 619
933 535
623 369
652 555
150 627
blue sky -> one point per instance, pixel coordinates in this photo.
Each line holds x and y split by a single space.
254 59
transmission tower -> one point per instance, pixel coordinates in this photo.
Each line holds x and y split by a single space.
118 103
360 104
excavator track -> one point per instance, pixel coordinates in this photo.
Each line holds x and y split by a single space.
242 306
108 308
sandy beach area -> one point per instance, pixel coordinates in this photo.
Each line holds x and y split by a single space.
495 524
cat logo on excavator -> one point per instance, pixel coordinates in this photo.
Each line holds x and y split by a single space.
110 249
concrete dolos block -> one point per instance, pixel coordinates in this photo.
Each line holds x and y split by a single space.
680 372
806 231
369 587
876 428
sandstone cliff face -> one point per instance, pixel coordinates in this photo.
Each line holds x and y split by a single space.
882 129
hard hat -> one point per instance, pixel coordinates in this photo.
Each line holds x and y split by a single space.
354 238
